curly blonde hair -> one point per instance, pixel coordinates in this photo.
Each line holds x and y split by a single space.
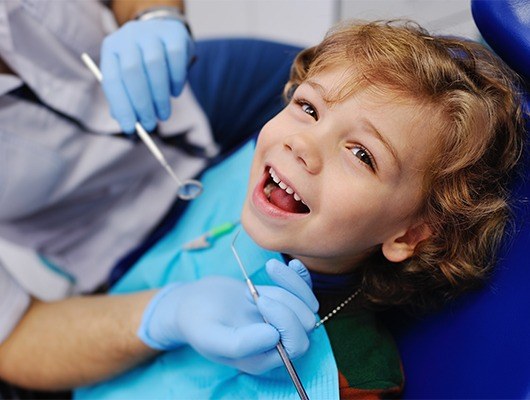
476 102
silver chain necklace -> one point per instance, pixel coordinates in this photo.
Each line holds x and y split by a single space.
338 308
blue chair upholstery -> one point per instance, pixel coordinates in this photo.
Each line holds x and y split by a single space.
239 84
478 347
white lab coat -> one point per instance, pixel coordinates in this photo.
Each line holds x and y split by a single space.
74 194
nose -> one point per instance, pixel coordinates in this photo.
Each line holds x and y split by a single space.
306 151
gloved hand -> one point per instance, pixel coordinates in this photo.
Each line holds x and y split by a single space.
142 64
218 318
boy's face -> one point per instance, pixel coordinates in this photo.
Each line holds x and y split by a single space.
358 165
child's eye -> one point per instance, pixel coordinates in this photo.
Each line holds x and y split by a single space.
362 154
307 107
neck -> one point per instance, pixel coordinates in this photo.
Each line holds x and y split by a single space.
339 264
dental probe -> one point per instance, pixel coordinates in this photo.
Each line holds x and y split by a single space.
281 350
187 189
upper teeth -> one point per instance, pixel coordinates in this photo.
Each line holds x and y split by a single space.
282 185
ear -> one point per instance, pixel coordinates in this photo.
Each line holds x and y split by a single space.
401 246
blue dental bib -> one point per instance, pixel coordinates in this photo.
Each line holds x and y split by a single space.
183 373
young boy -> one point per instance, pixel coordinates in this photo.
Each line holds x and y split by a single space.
386 174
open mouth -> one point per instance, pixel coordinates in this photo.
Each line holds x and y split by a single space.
282 196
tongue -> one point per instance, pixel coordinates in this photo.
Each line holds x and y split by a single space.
281 199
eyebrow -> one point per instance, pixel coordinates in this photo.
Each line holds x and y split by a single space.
385 142
319 88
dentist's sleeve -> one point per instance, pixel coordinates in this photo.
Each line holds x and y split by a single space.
14 302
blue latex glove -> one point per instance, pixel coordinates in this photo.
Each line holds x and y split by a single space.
143 63
218 318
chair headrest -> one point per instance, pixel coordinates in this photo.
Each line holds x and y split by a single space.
505 25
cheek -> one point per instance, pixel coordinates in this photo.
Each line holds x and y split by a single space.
408 200
266 140
270 139
271 132
277 127
348 208
361 212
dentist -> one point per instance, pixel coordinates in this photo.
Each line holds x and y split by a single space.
78 193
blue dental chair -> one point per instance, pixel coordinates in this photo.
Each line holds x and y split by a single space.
477 348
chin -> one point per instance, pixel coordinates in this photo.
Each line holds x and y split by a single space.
259 233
